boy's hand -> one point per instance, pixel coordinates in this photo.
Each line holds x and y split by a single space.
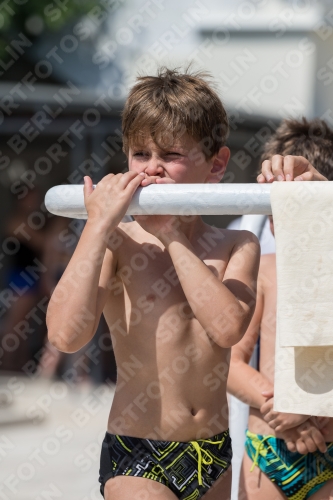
305 438
109 201
288 168
278 420
321 423
156 179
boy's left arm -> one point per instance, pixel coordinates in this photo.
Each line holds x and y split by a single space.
223 308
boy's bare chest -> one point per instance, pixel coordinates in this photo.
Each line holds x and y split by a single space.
147 275
148 299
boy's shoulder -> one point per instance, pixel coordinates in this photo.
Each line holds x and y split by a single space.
234 244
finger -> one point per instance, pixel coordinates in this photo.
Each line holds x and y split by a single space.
319 440
150 179
273 424
282 426
264 408
291 445
288 167
304 177
271 421
269 417
310 444
266 171
273 415
277 167
165 180
125 179
301 447
311 176
299 164
261 179
133 184
147 182
268 394
88 187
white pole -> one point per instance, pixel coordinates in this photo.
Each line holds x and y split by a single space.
172 199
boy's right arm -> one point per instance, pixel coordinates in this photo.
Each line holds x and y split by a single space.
245 382
78 299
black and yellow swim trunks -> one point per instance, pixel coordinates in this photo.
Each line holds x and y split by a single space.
189 469
298 476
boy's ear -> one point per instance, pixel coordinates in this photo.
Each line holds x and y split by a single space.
219 165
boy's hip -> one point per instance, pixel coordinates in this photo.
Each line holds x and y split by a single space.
179 465
291 471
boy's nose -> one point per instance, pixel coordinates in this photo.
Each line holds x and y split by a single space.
154 168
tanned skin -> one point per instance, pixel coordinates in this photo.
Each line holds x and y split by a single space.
301 432
176 294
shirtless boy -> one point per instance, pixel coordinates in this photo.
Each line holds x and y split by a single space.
175 292
286 455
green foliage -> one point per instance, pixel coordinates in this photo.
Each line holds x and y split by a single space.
47 15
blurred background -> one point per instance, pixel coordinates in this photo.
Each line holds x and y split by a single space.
65 70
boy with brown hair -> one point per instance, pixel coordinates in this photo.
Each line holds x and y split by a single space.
174 302
175 292
290 450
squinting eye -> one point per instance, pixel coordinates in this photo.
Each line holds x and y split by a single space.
140 153
173 153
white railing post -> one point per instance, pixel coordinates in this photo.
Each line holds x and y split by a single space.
175 199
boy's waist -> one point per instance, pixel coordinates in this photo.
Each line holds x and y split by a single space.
166 420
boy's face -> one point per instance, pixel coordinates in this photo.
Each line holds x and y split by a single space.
182 162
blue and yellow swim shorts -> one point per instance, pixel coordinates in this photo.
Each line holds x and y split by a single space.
298 476
189 469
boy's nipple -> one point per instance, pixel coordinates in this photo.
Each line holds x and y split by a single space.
151 297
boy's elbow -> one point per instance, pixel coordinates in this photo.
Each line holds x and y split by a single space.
70 336
230 331
238 333
60 344
67 344
224 339
229 340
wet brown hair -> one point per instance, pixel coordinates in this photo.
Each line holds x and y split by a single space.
166 106
312 139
